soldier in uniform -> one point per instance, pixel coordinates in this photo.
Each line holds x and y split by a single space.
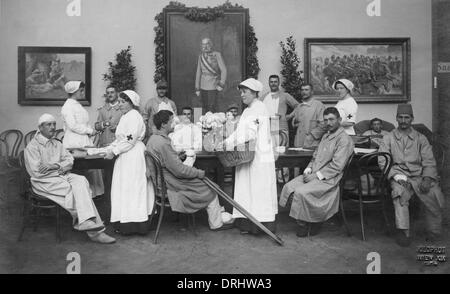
210 77
108 118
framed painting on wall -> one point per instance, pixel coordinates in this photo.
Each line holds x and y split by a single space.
191 70
43 72
380 68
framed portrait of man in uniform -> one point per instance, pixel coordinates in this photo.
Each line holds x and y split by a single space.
378 67
205 60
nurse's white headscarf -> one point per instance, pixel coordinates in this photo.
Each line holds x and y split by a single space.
347 83
46 118
252 84
134 97
72 86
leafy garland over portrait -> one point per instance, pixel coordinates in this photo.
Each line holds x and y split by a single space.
201 15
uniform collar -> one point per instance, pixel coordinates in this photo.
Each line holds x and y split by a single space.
412 135
115 105
108 106
163 99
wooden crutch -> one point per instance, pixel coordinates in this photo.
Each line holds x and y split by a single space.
242 210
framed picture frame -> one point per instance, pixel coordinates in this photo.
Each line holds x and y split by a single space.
183 50
43 72
380 68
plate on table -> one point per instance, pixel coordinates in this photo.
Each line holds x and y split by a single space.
364 150
96 151
300 149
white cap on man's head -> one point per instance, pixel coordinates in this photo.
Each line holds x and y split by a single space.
46 118
134 97
72 86
252 84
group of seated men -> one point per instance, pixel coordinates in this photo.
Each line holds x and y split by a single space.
313 196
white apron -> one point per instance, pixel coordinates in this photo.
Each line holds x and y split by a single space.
255 182
76 135
132 196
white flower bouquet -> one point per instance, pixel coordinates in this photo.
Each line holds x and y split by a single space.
211 121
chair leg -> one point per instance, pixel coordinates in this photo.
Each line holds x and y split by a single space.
161 214
151 216
361 216
36 215
344 218
383 208
25 219
193 225
58 224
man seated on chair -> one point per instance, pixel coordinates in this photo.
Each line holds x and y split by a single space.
315 194
186 191
375 133
413 173
186 135
48 163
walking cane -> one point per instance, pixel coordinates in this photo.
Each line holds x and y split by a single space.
242 210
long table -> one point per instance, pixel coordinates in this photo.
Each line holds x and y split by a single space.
290 159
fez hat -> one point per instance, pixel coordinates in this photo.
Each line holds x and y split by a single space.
405 109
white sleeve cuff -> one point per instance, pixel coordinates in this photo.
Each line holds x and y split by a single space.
399 177
116 151
320 176
307 170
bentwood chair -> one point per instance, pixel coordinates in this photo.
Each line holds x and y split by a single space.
6 174
439 152
59 134
13 138
35 205
371 185
341 192
160 188
283 137
28 137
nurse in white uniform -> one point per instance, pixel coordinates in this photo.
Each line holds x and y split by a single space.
132 196
255 181
346 106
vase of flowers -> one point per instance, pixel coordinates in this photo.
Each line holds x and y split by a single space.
212 125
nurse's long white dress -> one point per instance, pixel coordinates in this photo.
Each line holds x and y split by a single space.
255 182
132 196
76 135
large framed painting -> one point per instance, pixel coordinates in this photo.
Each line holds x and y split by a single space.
190 70
378 67
43 72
